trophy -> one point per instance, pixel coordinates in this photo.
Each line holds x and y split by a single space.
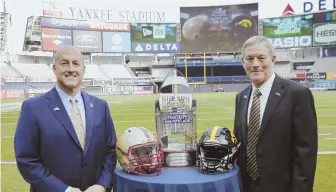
176 123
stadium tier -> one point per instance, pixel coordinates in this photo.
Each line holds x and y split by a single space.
205 51
207 71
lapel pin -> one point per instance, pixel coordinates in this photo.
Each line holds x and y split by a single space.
278 94
245 96
91 105
56 109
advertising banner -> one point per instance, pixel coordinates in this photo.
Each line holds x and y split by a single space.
290 31
12 94
330 75
42 79
293 76
14 80
324 34
217 28
54 39
132 81
83 25
151 47
316 76
324 16
153 32
329 52
87 41
116 42
103 81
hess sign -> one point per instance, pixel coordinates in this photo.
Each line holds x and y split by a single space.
324 34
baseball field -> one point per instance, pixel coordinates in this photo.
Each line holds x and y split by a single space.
212 109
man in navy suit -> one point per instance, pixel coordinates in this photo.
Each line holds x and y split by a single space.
65 139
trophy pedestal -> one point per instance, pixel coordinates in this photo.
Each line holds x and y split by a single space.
179 158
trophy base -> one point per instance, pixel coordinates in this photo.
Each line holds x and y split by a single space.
179 158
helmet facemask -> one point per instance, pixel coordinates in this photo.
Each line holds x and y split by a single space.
147 159
213 158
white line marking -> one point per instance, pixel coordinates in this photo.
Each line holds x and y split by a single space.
7 137
229 109
8 162
127 114
124 114
327 127
319 153
329 138
326 152
324 134
8 124
137 121
2 124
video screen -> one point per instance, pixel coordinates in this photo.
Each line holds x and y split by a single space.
217 28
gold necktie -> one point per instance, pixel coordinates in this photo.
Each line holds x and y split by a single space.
77 122
252 135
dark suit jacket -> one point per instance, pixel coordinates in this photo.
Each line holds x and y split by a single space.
47 150
287 145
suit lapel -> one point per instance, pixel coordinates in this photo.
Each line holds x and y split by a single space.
89 115
61 114
273 101
245 102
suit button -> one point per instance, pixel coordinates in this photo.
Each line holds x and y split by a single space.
83 164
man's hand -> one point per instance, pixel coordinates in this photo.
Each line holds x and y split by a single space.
75 190
95 188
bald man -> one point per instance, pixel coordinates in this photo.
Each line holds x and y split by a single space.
65 139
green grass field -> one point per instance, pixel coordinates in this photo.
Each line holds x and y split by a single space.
212 109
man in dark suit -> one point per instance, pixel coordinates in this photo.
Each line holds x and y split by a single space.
275 121
65 139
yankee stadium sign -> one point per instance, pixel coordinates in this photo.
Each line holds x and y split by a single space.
107 14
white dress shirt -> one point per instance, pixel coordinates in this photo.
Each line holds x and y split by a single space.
265 90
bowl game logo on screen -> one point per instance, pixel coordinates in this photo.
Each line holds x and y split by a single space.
217 28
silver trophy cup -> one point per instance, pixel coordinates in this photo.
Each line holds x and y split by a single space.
176 123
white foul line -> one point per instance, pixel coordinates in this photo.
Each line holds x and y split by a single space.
319 153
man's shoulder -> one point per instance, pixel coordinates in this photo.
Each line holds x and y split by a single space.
36 100
34 103
244 91
294 86
95 99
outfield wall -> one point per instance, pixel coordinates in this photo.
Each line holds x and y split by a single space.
213 88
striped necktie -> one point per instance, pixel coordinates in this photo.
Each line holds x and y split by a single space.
252 136
77 122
